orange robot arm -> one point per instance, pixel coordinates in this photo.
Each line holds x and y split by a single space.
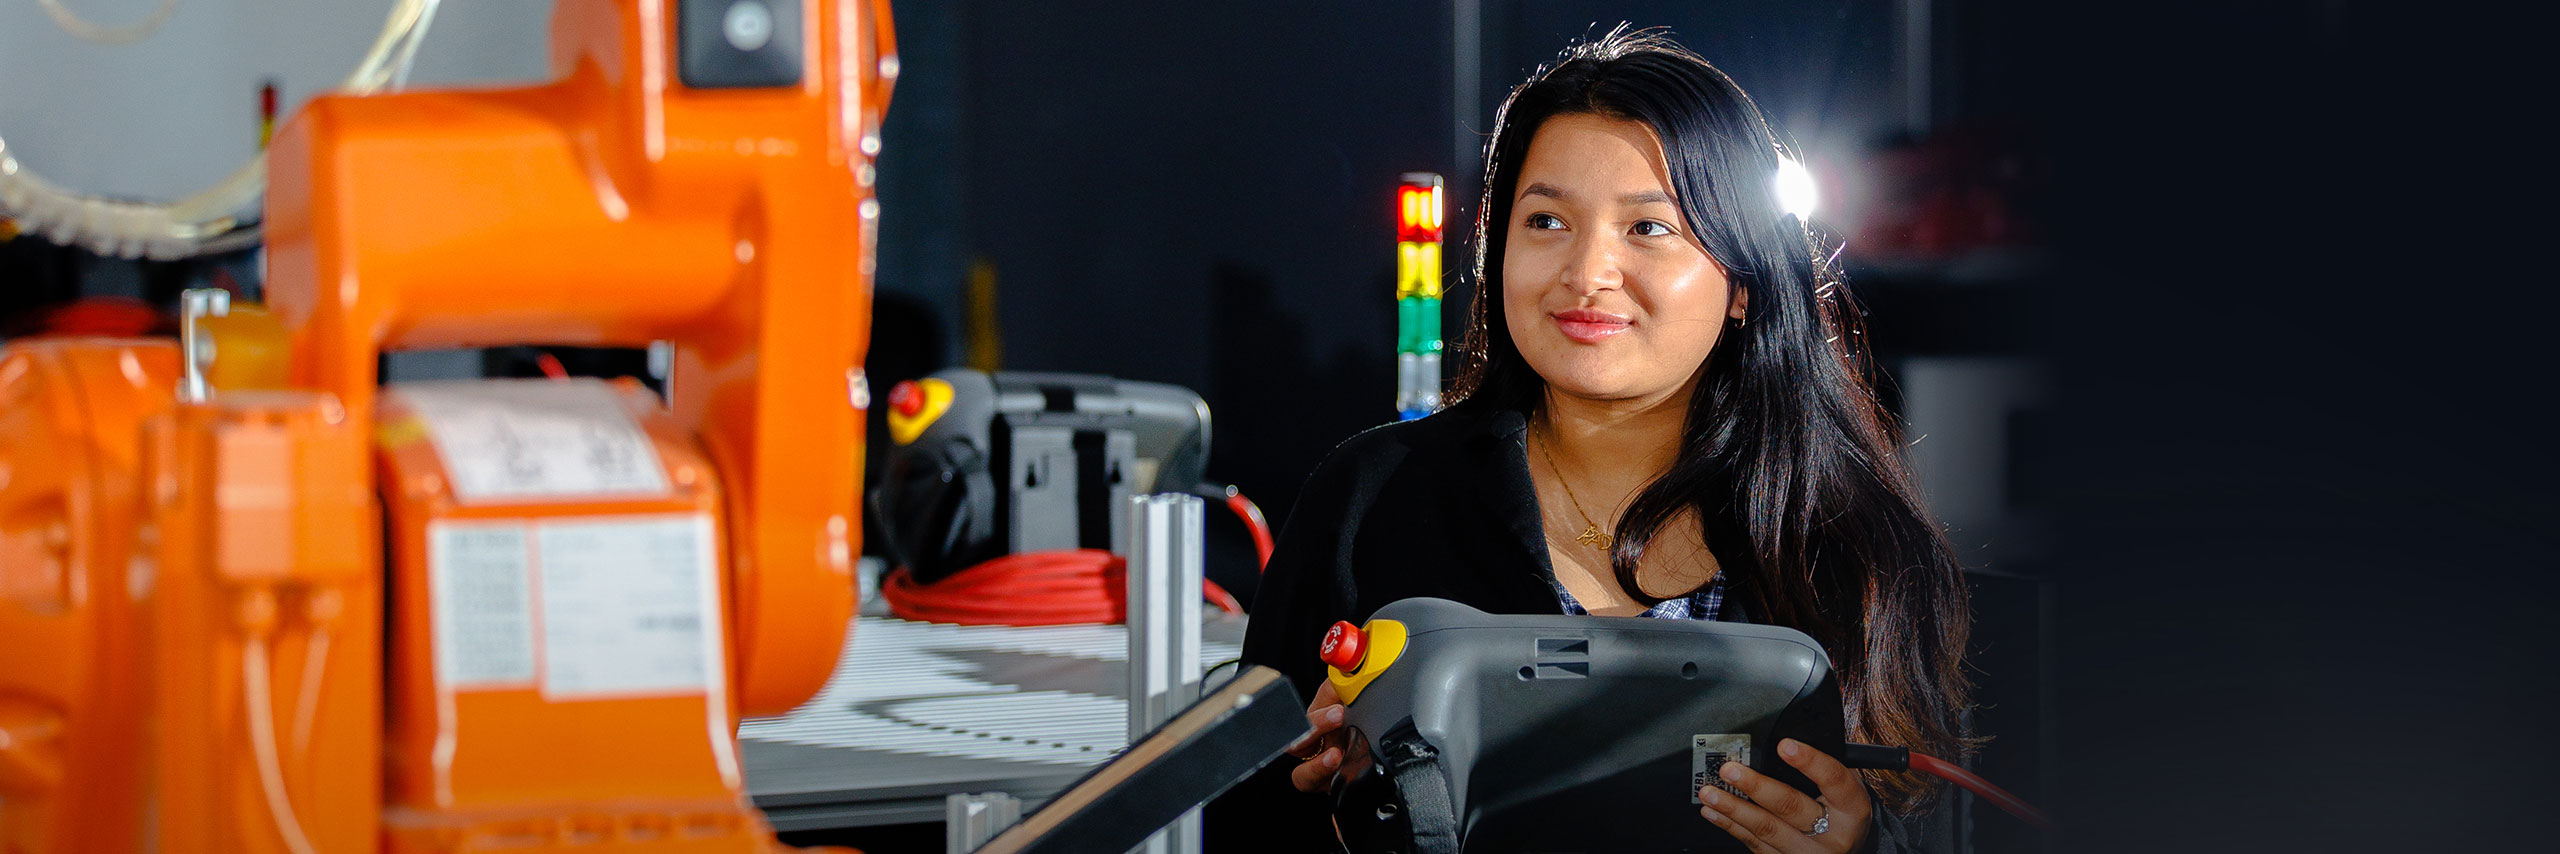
192 593
616 207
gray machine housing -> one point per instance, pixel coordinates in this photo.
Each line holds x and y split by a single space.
1558 733
1027 462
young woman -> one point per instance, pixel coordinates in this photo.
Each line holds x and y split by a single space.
1664 414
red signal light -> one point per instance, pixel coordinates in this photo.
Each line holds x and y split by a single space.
1419 208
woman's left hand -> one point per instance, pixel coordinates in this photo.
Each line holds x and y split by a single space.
1777 819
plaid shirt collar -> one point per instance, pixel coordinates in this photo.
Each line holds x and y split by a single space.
1704 604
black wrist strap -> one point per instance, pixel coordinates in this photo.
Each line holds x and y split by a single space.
1415 765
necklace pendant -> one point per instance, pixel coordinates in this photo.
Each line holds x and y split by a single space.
1591 536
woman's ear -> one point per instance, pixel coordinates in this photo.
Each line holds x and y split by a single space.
1741 303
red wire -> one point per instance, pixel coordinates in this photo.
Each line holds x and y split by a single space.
1220 597
551 366
1997 796
1252 516
1032 589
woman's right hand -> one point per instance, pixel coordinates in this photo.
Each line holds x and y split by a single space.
1319 754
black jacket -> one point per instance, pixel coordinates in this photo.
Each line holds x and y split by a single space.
1440 507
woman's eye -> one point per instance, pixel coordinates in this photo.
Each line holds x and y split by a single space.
1650 228
1544 221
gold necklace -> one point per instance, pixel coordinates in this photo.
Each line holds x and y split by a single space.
1591 534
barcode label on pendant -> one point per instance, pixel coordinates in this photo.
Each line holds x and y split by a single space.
1708 754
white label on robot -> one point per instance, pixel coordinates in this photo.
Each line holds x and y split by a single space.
482 602
1707 756
630 606
514 440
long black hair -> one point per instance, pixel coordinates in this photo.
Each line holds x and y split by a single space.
1786 456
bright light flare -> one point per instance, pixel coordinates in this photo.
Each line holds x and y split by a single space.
1795 189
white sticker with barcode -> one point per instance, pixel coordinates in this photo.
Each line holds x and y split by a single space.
1707 756
517 440
630 606
482 603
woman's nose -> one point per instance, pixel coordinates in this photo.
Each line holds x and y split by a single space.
1593 267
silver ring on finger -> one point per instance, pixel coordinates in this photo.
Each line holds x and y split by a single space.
1821 825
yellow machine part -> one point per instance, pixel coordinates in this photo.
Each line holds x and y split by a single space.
248 348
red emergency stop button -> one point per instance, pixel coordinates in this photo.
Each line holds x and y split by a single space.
914 405
906 399
1344 646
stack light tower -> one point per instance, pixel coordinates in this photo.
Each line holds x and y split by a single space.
1421 206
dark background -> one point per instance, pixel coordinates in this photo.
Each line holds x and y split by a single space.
2302 468
2290 490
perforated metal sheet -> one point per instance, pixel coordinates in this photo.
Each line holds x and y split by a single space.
916 711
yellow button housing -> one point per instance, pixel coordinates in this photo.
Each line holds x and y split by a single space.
1386 643
903 429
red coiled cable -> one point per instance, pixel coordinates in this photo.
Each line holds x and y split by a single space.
1049 588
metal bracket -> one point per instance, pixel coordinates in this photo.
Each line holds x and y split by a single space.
969 820
1164 552
194 348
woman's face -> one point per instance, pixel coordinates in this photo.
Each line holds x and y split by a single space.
1604 289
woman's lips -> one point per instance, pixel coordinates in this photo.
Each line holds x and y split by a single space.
1588 327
